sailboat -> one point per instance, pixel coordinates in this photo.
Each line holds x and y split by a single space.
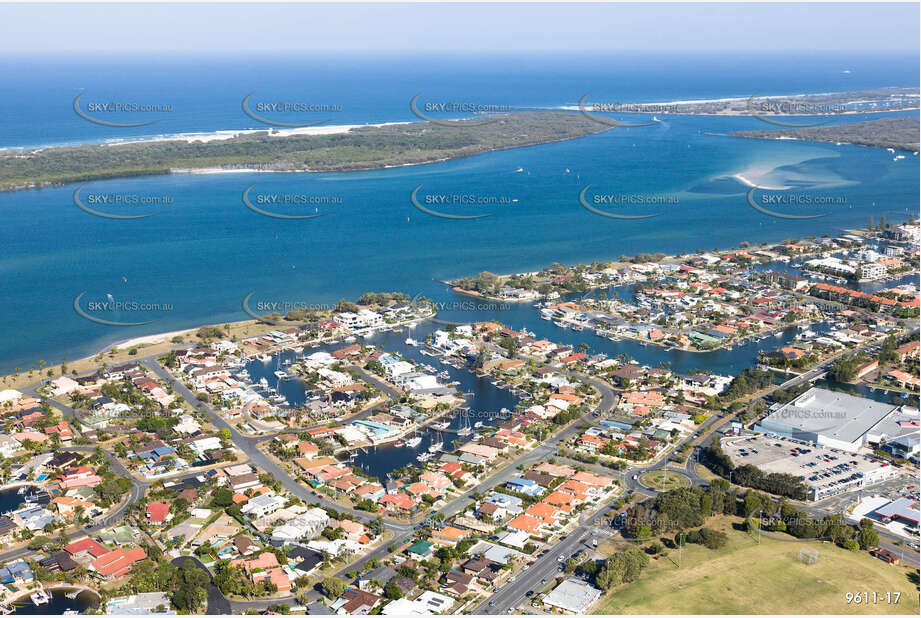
466 429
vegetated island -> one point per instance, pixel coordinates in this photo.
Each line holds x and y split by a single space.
894 133
361 148
818 104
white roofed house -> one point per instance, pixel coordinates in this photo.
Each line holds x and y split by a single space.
307 525
187 424
8 445
262 505
334 378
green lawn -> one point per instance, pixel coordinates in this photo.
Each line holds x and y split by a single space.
673 480
746 578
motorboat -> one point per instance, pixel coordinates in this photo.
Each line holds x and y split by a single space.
265 358
411 342
73 594
414 441
434 448
281 374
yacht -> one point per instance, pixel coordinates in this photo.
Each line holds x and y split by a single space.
40 598
264 357
464 431
422 458
350 339
281 374
440 426
414 441
478 424
411 342
434 448
560 324
73 594
243 374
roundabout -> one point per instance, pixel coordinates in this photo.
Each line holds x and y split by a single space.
664 480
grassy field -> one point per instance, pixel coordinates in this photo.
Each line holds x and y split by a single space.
746 578
673 480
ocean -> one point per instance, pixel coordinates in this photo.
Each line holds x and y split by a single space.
204 251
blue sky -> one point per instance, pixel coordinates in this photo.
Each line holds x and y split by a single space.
458 27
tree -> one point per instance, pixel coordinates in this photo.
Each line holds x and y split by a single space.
223 497
333 588
867 537
190 588
392 590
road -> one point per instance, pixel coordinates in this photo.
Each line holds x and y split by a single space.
250 446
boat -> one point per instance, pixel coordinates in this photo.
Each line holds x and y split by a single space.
414 441
73 594
350 339
264 357
243 374
281 374
399 443
560 324
71 612
478 424
434 448
411 342
440 426
778 333
297 350
423 457
40 598
263 383
464 431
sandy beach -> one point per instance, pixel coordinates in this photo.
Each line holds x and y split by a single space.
214 136
149 339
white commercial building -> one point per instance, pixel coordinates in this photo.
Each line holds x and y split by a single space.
838 420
